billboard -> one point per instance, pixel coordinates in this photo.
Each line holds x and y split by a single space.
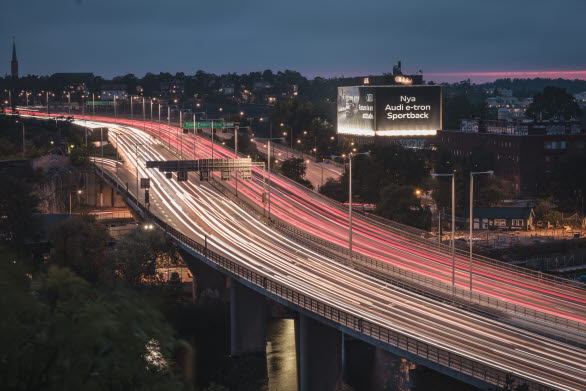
390 110
356 110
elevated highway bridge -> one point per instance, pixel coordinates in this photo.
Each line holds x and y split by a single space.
394 293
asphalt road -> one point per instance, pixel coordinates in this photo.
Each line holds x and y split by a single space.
199 210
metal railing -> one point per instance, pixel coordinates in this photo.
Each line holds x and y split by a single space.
439 290
414 234
371 329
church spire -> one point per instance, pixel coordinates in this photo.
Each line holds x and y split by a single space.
14 63
14 49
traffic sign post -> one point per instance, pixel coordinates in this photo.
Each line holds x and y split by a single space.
204 167
145 183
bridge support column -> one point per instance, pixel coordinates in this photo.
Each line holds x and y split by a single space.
248 320
359 364
208 282
320 355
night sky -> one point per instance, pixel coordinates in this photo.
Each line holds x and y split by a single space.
447 39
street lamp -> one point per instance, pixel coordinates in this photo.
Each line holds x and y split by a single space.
78 193
453 226
269 166
471 216
350 156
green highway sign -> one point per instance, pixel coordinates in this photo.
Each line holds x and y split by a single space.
99 103
207 125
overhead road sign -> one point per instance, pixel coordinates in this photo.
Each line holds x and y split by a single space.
204 167
208 125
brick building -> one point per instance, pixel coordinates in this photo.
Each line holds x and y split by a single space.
524 151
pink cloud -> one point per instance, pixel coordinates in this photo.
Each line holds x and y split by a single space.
481 77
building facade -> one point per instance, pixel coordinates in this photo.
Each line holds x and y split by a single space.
525 152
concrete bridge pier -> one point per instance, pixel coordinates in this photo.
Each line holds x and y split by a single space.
319 354
206 280
248 320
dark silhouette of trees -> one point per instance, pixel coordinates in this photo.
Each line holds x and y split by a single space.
72 335
553 103
18 204
295 168
79 243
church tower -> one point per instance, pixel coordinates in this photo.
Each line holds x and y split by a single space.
14 62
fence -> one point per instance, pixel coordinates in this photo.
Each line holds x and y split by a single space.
351 321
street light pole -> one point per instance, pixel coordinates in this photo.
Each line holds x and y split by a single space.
93 105
115 114
194 135
452 242
212 139
137 198
180 130
350 205
269 167
472 217
70 193
350 229
269 175
102 147
236 155
23 142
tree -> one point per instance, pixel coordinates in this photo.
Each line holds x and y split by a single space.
69 335
295 168
333 189
553 103
400 203
79 243
18 205
460 107
140 253
79 156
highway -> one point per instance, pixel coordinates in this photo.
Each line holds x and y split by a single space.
200 210
317 172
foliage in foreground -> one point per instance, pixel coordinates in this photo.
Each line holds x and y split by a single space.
70 335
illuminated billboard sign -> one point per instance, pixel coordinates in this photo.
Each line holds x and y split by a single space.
356 110
390 110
